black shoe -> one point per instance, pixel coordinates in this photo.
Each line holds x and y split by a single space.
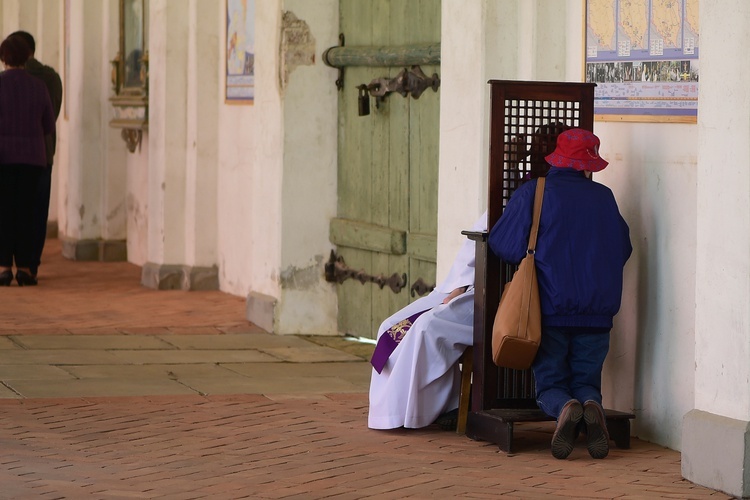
597 437
567 429
6 277
448 421
25 279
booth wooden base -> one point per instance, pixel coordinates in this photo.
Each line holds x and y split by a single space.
496 426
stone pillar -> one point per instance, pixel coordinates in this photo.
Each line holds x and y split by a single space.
716 434
114 149
255 271
464 98
17 14
307 303
203 103
49 50
181 209
201 169
90 227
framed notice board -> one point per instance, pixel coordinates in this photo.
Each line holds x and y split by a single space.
643 56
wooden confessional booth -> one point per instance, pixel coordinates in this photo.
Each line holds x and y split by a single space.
525 118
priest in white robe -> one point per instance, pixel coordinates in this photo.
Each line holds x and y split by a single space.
421 379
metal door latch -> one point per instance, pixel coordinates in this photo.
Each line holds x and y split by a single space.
409 81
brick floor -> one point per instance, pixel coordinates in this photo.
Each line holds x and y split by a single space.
248 446
106 297
255 445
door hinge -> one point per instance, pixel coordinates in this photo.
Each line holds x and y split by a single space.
336 271
420 287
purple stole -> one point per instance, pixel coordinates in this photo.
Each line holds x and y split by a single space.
390 339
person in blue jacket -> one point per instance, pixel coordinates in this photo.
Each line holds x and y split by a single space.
583 244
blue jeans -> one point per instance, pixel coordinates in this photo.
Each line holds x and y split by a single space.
568 366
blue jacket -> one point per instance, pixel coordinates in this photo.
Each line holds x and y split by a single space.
582 247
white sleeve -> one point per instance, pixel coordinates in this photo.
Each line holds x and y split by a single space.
462 271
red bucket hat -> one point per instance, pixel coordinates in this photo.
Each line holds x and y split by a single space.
577 149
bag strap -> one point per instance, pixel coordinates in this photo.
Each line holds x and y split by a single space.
529 262
538 198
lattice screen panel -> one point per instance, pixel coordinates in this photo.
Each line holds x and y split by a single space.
530 129
526 118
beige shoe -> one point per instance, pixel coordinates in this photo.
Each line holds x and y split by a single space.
597 436
567 429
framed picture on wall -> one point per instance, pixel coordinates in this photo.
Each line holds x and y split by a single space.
643 56
240 52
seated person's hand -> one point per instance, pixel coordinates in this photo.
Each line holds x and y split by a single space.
455 293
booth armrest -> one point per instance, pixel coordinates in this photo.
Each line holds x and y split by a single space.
476 235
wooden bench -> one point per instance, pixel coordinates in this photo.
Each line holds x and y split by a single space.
501 397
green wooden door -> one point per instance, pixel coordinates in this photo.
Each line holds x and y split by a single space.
387 166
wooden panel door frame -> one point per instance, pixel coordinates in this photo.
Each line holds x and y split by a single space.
382 183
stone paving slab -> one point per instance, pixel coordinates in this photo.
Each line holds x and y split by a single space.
357 373
268 385
98 387
34 372
358 370
7 393
94 342
309 354
50 357
150 371
7 343
234 341
147 356
48 366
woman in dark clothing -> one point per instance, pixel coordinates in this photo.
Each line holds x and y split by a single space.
582 247
26 116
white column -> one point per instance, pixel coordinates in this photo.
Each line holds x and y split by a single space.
278 172
48 37
86 208
464 98
716 435
48 33
114 149
17 14
308 303
251 168
182 145
167 143
203 101
168 49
